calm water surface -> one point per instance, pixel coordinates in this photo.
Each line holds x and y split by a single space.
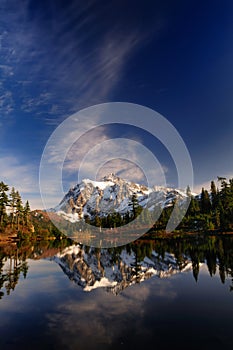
157 294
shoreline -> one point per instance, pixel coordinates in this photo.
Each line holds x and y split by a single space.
9 238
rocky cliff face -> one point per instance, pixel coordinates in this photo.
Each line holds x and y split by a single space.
112 194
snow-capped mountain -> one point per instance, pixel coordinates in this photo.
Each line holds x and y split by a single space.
112 194
100 269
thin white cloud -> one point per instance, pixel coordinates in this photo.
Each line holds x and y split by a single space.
97 314
128 158
70 66
43 100
23 178
58 69
206 184
123 168
16 174
6 101
6 71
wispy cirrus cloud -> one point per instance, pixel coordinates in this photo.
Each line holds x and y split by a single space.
101 156
23 177
62 64
56 60
6 101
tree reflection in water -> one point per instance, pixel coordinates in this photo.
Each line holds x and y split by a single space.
214 251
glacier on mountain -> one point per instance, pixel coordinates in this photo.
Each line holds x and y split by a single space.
113 194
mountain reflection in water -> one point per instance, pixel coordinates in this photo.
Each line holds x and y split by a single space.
114 269
117 298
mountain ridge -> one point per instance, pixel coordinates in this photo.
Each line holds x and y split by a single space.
113 194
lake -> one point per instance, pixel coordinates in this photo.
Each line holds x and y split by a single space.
160 294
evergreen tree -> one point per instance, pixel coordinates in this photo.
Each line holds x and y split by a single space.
214 195
195 266
26 212
222 217
205 202
226 205
118 219
97 221
19 209
109 221
3 200
126 218
231 201
12 203
193 208
146 217
188 191
136 209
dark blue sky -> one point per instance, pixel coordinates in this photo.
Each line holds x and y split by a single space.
58 57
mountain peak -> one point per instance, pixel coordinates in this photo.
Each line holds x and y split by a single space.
112 194
111 177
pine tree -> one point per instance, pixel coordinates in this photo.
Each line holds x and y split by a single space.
136 209
226 198
12 203
222 217
214 195
118 219
19 209
146 217
193 208
188 191
26 212
97 221
231 201
224 194
205 202
3 200
126 218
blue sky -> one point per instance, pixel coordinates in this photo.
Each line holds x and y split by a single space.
58 57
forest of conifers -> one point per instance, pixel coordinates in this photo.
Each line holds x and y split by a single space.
211 210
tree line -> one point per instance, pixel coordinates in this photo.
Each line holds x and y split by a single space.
210 210
115 219
12 211
16 218
213 209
